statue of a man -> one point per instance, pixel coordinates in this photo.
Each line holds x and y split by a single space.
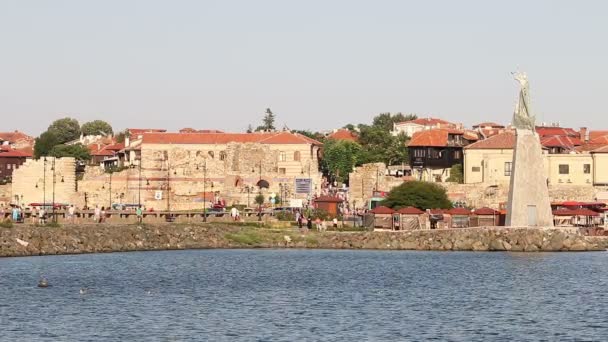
523 117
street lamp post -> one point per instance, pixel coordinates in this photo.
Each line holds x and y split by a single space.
248 188
139 186
204 189
110 192
53 168
44 184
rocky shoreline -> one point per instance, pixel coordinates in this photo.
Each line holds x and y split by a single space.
77 239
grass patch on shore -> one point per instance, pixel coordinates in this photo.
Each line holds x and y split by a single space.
6 224
249 238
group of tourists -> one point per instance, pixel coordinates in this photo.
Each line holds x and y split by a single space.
320 224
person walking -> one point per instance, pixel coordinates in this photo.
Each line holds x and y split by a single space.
139 213
41 216
97 214
102 215
71 212
34 215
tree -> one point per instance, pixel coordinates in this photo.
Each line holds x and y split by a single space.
422 195
340 157
66 129
77 151
259 199
96 127
122 135
249 129
44 144
267 122
456 175
385 121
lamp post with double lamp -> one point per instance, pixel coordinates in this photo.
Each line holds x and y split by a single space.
204 165
248 188
44 184
53 209
109 190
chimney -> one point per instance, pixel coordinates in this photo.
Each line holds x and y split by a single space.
584 136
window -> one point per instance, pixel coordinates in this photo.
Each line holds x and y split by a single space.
282 170
419 153
564 169
211 154
296 156
282 156
457 154
586 168
8 166
223 155
508 166
475 169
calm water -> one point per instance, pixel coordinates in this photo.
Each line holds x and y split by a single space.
290 295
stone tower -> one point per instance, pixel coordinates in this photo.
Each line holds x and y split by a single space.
528 203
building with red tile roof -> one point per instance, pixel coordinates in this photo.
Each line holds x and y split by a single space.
411 127
433 152
504 140
343 134
231 163
10 160
16 139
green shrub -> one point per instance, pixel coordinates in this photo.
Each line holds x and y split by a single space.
6 224
52 224
285 216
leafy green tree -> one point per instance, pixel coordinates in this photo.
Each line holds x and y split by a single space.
96 127
120 136
350 127
44 144
340 157
66 129
386 121
422 195
78 151
259 199
267 122
456 174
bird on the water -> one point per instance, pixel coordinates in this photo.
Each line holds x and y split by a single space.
43 282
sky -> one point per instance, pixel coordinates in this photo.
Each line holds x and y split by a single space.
318 64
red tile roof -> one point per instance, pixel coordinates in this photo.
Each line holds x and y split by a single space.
428 122
560 141
602 140
471 135
15 136
488 124
486 211
343 134
603 149
585 212
433 137
459 211
9 153
563 212
549 131
410 211
137 131
500 141
115 147
588 147
597 134
225 138
382 210
100 150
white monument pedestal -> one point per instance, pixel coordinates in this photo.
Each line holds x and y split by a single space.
529 203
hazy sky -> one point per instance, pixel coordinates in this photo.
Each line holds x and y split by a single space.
317 64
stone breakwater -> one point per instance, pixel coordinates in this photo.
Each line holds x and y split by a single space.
28 240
